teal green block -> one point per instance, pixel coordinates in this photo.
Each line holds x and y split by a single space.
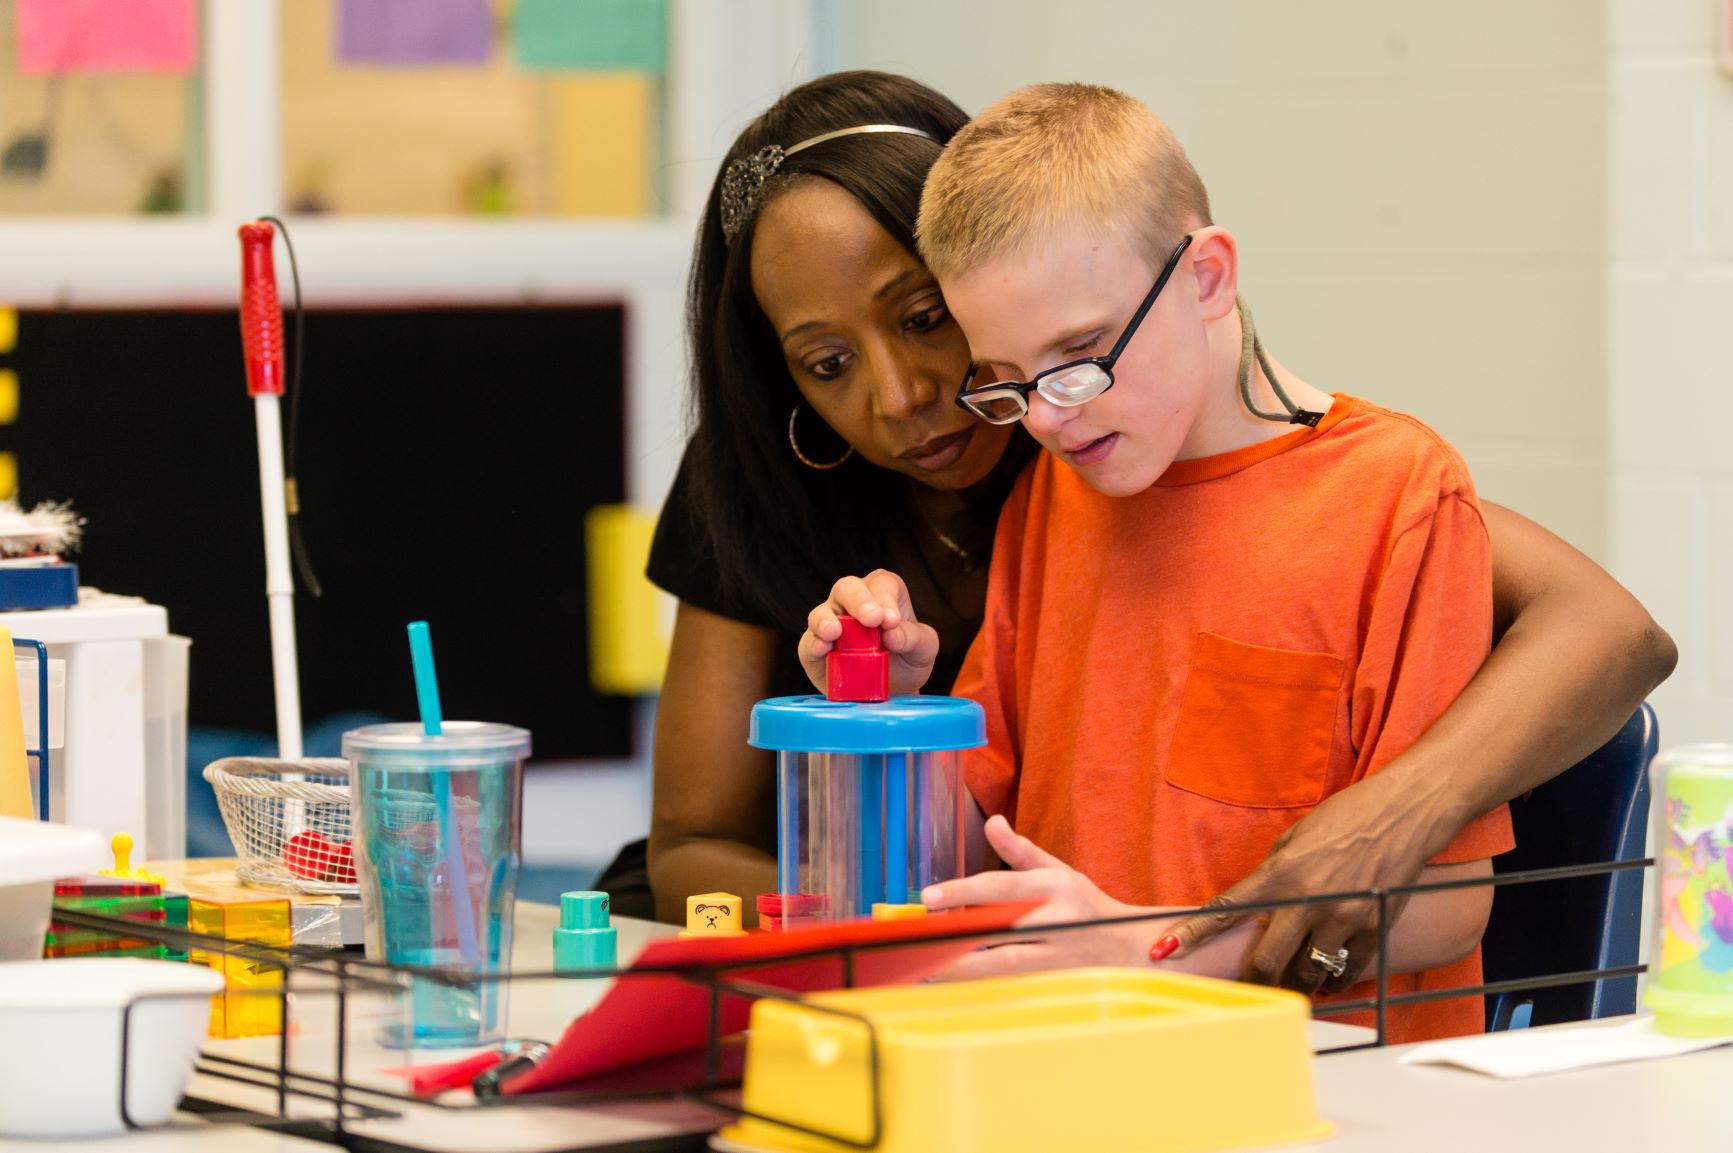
585 938
591 35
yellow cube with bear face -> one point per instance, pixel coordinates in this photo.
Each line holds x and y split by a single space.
713 915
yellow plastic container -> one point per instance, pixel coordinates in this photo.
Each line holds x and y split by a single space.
1108 1060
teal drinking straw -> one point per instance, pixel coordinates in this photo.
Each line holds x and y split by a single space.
427 697
426 681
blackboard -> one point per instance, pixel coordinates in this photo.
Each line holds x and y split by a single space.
447 458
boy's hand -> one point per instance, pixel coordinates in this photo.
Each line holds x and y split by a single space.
1066 895
878 600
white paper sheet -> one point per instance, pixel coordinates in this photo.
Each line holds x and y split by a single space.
1529 1052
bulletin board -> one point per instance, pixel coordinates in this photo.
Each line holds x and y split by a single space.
447 458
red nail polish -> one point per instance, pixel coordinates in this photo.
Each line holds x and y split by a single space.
1163 949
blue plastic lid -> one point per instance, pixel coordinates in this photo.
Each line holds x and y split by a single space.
905 724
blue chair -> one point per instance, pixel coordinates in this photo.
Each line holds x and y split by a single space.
1595 811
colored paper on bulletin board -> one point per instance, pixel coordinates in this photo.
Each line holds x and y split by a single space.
107 35
591 35
414 31
604 128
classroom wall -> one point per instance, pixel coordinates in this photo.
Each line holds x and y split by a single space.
1419 189
1669 303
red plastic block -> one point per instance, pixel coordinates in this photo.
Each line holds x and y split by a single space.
95 886
318 858
778 912
858 668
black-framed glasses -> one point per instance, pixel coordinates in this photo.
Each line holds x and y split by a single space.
1069 384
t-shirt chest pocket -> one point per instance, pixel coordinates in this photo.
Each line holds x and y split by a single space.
1255 724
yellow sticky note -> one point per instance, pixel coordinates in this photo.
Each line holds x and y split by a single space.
628 642
8 396
604 126
8 329
14 766
8 475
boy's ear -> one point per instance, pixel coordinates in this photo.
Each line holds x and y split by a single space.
1215 261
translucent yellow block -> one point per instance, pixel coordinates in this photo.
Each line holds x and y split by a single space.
249 1005
8 328
8 396
1108 1060
887 912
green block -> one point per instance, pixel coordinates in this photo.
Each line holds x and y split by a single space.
174 906
591 35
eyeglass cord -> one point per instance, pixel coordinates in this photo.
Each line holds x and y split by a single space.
1250 347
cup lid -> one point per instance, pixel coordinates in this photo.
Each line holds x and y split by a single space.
459 743
1714 759
902 724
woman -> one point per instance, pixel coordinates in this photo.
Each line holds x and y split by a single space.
825 368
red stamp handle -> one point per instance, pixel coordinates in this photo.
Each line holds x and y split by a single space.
261 315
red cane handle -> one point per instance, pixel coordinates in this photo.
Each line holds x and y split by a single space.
261 315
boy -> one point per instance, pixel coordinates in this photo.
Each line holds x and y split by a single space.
1221 595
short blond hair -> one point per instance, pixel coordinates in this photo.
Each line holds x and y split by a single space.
1053 155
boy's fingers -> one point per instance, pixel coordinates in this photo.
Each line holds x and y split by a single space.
1016 850
986 889
877 600
853 596
822 626
1000 961
915 643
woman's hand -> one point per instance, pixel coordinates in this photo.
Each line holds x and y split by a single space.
1355 840
878 600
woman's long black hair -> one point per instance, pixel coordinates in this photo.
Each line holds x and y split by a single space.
780 532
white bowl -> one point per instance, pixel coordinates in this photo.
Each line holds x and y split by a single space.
60 1066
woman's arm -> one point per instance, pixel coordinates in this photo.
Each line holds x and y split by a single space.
1437 928
1574 657
713 824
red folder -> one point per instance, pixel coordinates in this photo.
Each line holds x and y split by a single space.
656 1015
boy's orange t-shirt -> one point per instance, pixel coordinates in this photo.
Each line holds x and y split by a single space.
1172 679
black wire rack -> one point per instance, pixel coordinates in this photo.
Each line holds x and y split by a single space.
324 1106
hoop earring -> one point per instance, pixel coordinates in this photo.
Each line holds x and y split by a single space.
801 456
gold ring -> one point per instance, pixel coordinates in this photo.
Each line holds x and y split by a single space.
1334 965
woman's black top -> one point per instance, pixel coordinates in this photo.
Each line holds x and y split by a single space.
681 563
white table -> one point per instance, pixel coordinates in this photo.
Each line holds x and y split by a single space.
123 768
1682 1103
1674 1105
186 1134
538 1010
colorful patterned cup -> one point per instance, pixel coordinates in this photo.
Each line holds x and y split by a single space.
1691 966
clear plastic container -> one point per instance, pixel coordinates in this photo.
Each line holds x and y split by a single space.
870 799
1690 986
438 838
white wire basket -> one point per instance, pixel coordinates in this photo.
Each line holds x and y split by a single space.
290 821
